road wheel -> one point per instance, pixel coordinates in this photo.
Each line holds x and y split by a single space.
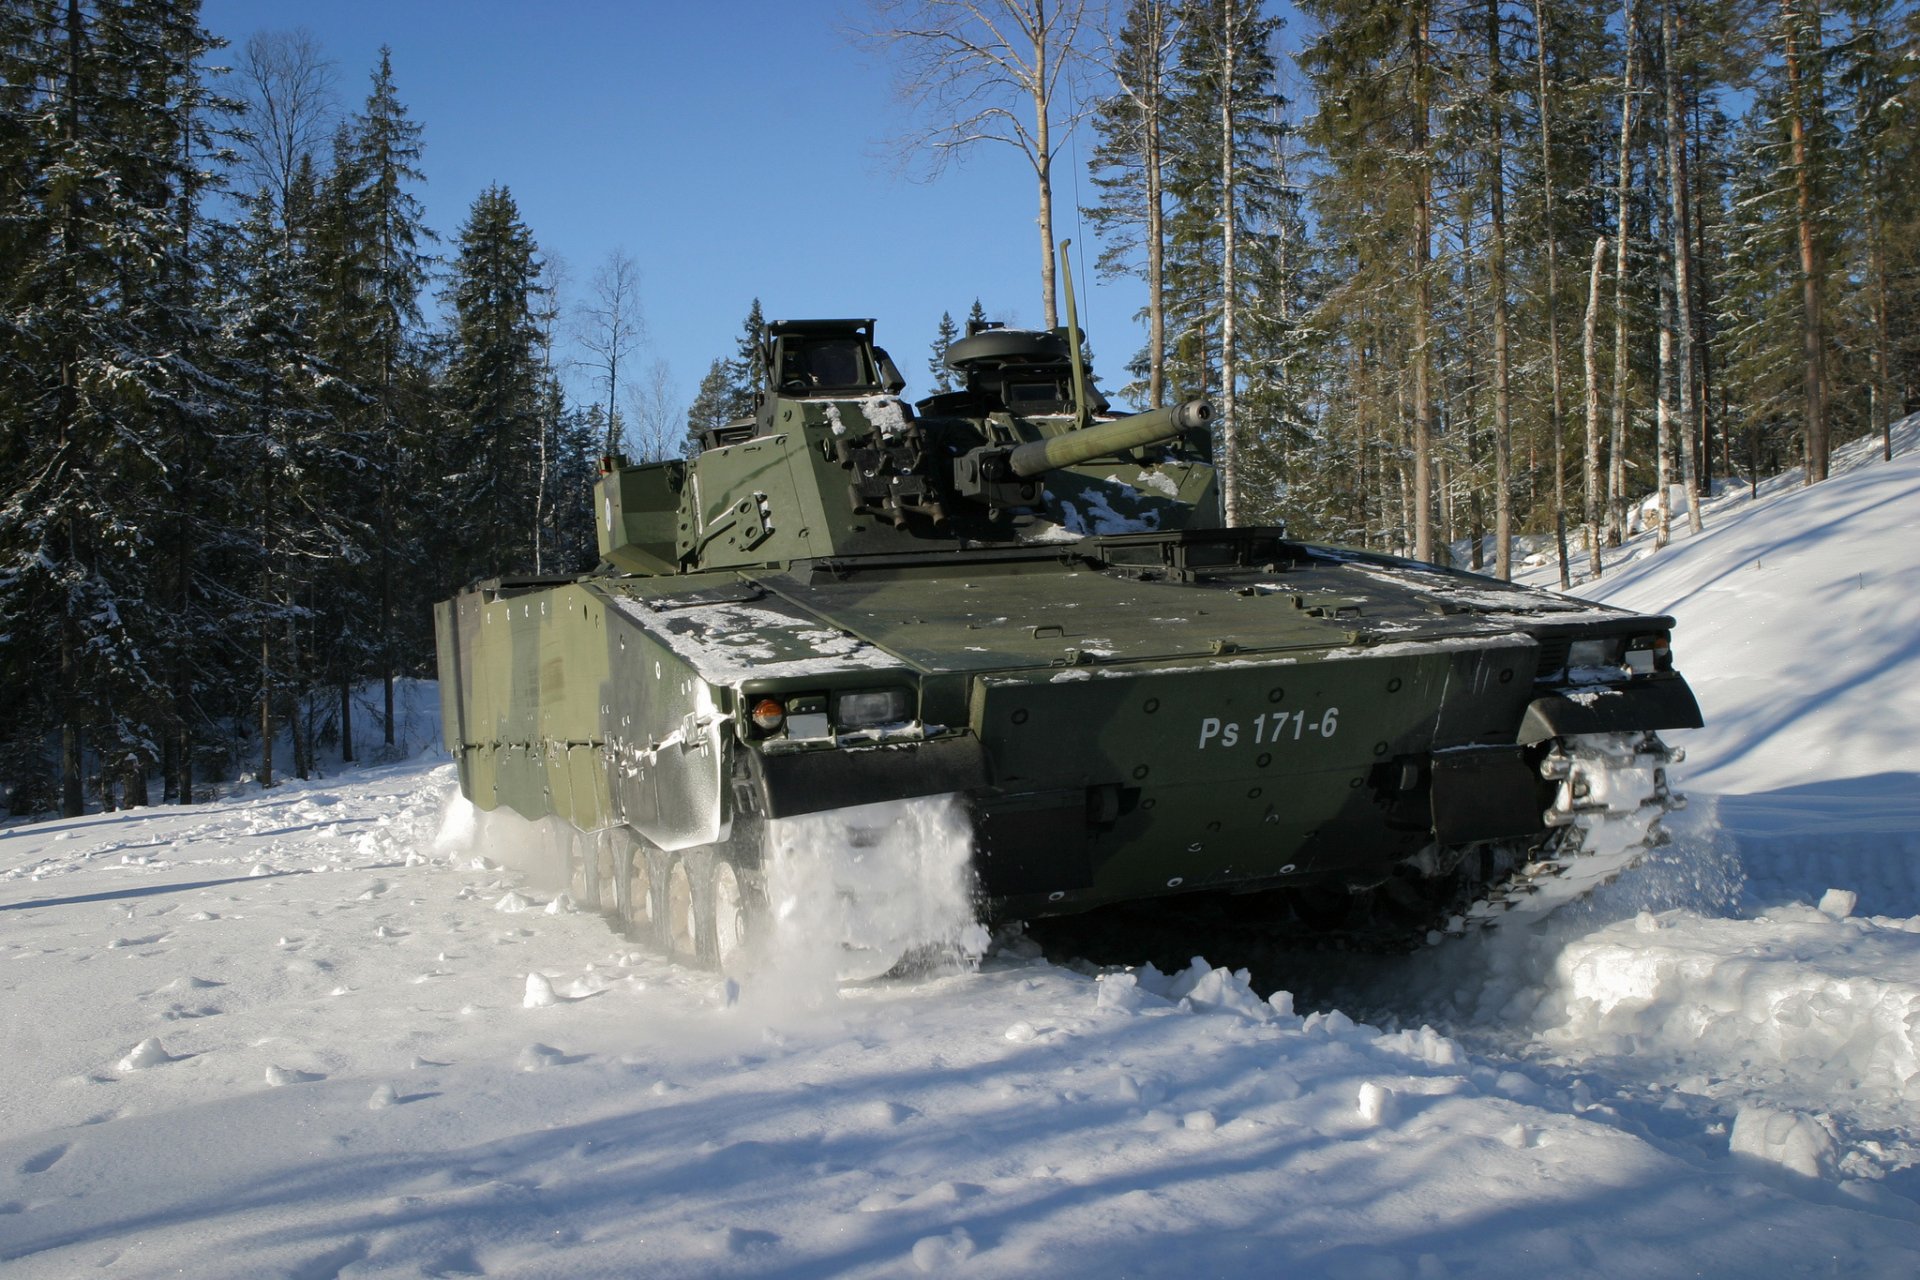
731 916
688 941
583 870
636 893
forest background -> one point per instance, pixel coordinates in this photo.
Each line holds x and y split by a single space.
1455 275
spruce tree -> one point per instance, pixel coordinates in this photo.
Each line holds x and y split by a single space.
1134 127
492 388
943 337
277 455
374 238
106 145
712 404
744 375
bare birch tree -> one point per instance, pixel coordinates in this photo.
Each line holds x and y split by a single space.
658 414
973 67
610 327
1230 428
287 83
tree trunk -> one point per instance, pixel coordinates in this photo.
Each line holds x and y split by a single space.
1043 166
346 719
66 410
1593 406
1882 392
296 725
1617 454
1554 427
1156 249
1703 308
1502 408
1663 436
1682 261
1422 300
266 713
1229 365
1812 268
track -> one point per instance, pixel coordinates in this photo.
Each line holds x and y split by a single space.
1604 819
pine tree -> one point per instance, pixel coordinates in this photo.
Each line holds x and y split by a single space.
1877 75
1227 118
1803 55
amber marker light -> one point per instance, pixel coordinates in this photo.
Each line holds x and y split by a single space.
768 715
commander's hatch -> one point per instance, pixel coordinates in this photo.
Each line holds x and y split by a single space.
827 358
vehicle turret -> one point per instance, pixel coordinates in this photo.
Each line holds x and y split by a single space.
835 463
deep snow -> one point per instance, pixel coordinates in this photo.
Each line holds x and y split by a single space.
295 1034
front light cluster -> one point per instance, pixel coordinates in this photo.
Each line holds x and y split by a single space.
1650 653
820 715
1638 655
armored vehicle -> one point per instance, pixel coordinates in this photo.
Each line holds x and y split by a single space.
1006 596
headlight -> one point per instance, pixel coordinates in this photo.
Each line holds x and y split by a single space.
871 707
1604 652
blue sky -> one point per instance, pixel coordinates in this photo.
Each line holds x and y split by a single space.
733 150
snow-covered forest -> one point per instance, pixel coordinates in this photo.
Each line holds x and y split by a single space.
1451 272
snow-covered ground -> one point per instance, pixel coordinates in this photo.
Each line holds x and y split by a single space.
298 1033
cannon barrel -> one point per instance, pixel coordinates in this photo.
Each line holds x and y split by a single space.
1038 456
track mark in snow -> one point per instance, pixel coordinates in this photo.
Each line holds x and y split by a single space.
330 1264
387 1096
942 1253
733 1241
181 1013
45 1160
188 983
538 1057
280 1076
943 1193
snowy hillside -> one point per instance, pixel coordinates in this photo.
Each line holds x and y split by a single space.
308 1033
